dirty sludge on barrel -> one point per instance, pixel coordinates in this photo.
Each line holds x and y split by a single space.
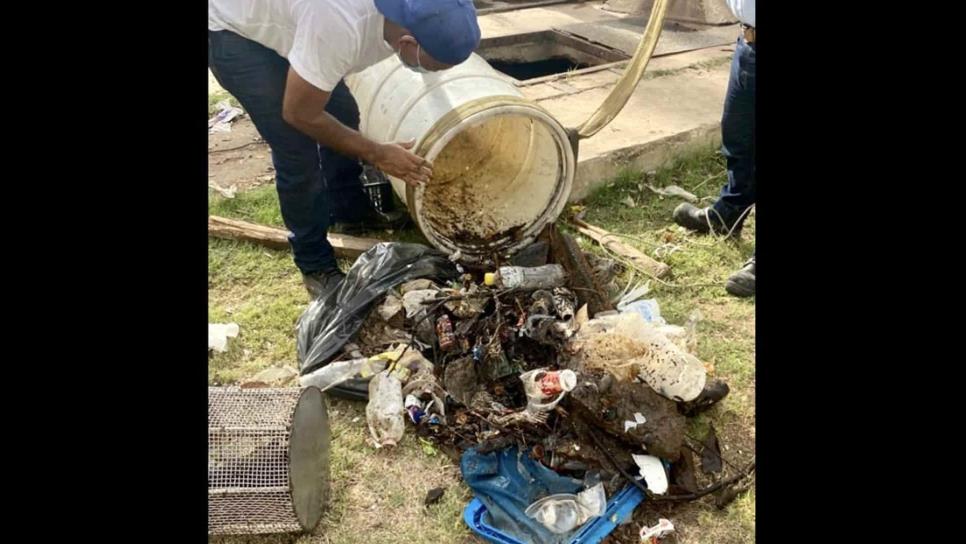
503 167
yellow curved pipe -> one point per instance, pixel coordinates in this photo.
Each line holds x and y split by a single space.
621 92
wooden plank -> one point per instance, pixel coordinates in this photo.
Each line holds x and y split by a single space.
221 227
580 277
351 247
632 254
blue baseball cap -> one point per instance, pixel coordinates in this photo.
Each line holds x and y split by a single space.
446 29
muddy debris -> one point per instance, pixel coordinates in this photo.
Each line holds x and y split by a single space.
711 453
609 406
535 254
558 373
460 380
434 495
684 478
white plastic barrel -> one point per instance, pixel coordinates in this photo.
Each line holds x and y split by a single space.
503 167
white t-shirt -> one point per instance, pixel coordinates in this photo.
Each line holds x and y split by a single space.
323 40
744 10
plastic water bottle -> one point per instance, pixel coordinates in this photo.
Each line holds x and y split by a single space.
522 277
333 374
384 413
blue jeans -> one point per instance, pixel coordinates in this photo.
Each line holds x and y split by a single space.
315 184
738 136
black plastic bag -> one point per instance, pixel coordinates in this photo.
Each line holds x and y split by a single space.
330 322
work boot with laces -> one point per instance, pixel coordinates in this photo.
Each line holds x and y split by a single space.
742 282
320 284
704 220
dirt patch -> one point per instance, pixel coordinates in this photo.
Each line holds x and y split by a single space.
239 158
737 318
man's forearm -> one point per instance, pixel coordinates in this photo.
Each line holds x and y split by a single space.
304 109
329 132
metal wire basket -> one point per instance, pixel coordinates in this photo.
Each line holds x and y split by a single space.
268 460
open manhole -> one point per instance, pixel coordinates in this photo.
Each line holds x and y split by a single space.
538 54
496 6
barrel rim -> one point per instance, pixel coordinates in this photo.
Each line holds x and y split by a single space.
472 114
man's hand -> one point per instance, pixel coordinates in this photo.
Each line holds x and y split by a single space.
304 109
396 160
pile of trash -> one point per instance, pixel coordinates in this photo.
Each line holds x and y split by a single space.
549 408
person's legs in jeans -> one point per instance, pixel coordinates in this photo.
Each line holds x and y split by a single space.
738 146
256 75
348 202
726 216
738 137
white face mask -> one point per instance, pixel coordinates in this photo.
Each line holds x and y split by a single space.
418 68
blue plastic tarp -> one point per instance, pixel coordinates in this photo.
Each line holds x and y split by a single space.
508 481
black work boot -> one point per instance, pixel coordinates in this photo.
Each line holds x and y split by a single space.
703 220
321 283
742 282
710 395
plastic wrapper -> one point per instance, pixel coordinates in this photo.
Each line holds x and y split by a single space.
629 347
413 302
218 335
653 473
563 513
